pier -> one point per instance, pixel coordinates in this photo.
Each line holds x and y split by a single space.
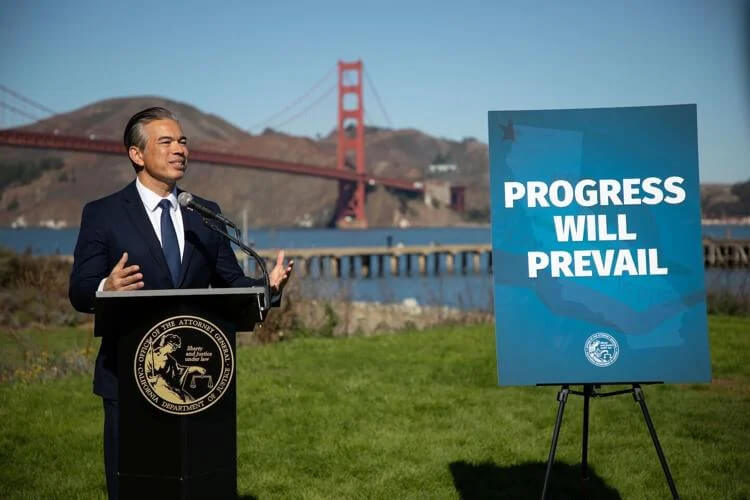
437 260
379 262
726 253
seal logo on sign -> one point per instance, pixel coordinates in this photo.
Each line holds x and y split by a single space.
601 349
183 365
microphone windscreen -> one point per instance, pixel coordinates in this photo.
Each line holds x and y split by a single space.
184 199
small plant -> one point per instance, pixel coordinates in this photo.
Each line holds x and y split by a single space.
330 322
726 302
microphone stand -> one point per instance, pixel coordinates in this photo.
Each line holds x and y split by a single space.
236 239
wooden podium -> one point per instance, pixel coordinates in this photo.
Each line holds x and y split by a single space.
176 377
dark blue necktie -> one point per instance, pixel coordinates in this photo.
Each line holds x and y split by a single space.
169 244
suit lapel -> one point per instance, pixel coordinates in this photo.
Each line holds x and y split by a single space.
139 218
191 222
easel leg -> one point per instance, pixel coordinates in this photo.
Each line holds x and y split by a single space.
641 400
588 389
562 397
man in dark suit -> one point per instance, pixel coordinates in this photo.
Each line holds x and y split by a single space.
140 238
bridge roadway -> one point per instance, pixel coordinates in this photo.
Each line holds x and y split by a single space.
37 140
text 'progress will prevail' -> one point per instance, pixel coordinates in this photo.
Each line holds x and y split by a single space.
594 227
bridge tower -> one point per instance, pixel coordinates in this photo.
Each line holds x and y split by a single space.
350 151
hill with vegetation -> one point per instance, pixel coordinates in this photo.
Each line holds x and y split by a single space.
38 186
43 187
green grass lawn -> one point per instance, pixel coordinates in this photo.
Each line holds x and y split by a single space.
415 415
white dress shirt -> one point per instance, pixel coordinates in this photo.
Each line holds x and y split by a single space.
150 202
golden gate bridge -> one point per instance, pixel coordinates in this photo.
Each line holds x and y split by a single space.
350 170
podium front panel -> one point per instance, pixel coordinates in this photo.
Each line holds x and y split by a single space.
177 397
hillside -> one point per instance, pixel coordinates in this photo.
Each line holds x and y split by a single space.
724 202
43 187
40 186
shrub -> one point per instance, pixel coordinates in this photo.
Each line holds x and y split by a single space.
727 302
34 290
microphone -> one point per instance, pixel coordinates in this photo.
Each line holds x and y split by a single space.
187 200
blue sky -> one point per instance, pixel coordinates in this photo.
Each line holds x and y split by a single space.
437 66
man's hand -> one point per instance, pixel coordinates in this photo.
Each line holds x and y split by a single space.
279 275
123 278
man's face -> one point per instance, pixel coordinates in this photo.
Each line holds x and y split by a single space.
165 156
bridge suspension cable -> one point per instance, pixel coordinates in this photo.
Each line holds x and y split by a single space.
308 108
296 101
377 98
40 107
21 112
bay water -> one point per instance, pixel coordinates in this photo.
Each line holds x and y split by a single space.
469 291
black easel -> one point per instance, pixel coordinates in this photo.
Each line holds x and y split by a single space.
590 391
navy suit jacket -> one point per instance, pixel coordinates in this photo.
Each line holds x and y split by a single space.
118 223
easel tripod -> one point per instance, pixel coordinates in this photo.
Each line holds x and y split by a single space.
590 391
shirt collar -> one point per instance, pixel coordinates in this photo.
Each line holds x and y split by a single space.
151 200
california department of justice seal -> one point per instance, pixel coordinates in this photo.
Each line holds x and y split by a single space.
183 365
601 349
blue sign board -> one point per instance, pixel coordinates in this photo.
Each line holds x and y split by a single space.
597 255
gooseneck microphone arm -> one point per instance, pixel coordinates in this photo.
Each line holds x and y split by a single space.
249 251
215 221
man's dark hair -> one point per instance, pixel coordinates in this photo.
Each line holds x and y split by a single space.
134 135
